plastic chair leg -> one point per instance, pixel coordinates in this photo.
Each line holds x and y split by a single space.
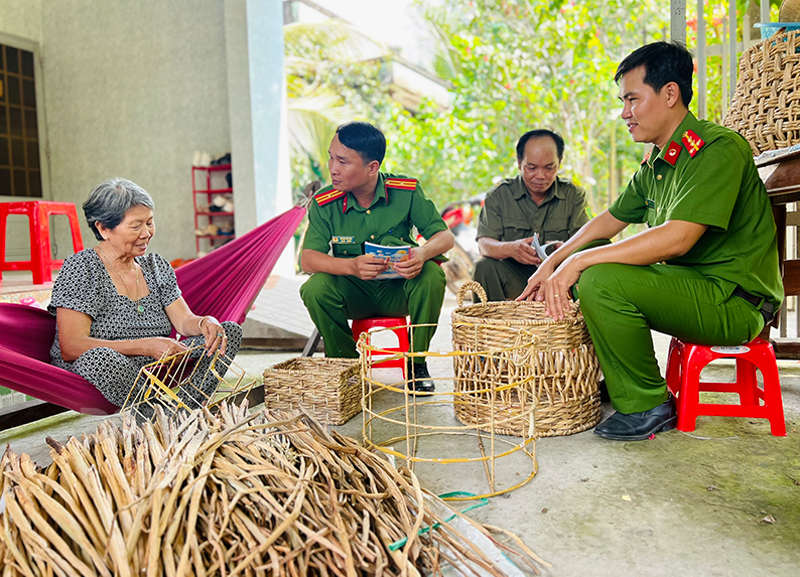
773 399
747 382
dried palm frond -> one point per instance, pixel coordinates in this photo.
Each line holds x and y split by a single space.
227 494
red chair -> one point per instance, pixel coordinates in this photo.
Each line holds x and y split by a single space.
38 212
399 326
685 363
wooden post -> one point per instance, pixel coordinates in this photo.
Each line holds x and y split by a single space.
732 55
702 63
677 21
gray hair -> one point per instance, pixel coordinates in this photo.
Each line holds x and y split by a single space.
110 200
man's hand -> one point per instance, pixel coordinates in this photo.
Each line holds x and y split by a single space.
522 251
557 287
411 267
553 287
367 266
534 291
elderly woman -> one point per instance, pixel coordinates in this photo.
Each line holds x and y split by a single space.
115 305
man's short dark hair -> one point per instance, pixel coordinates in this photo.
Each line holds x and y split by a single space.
539 133
663 62
365 139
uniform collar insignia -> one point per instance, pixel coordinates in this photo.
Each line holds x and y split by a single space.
647 156
692 142
398 183
672 153
327 196
404 183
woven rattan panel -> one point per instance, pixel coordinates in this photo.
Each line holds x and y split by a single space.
766 105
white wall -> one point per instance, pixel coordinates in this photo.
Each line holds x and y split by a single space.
21 18
131 89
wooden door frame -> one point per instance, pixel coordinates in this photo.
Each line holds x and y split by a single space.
41 117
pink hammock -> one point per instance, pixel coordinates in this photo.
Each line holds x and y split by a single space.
223 283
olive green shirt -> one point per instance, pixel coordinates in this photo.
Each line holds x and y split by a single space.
509 213
718 187
342 225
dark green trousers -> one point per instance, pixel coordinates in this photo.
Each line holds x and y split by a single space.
622 303
501 279
331 300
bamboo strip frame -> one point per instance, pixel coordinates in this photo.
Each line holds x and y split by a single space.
414 430
162 379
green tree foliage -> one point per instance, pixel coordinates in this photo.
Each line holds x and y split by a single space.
331 71
521 64
513 65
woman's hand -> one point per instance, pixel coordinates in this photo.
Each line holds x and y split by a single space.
214 334
158 347
188 324
75 339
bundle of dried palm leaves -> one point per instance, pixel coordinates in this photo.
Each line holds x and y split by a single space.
226 494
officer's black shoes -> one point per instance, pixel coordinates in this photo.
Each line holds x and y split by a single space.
639 426
419 379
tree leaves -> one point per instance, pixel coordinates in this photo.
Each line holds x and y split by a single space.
514 65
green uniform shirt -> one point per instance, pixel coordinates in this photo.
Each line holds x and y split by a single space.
718 187
509 213
342 225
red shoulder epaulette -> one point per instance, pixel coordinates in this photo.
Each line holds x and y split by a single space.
324 198
404 183
673 152
692 142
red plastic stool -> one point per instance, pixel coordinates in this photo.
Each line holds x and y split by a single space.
686 361
399 326
38 213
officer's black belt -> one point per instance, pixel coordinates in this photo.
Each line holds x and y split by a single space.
766 308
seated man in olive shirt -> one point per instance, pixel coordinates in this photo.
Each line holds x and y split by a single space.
534 201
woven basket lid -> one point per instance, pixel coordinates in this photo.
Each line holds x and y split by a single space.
790 11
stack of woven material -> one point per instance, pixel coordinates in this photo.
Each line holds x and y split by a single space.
765 108
231 494
790 11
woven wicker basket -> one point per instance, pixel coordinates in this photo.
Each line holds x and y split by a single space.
552 362
328 389
765 108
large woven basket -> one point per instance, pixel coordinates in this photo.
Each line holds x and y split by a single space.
765 108
527 361
328 389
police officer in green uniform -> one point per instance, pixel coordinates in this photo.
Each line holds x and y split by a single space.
366 205
534 201
705 271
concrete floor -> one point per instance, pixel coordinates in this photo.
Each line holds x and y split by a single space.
721 501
